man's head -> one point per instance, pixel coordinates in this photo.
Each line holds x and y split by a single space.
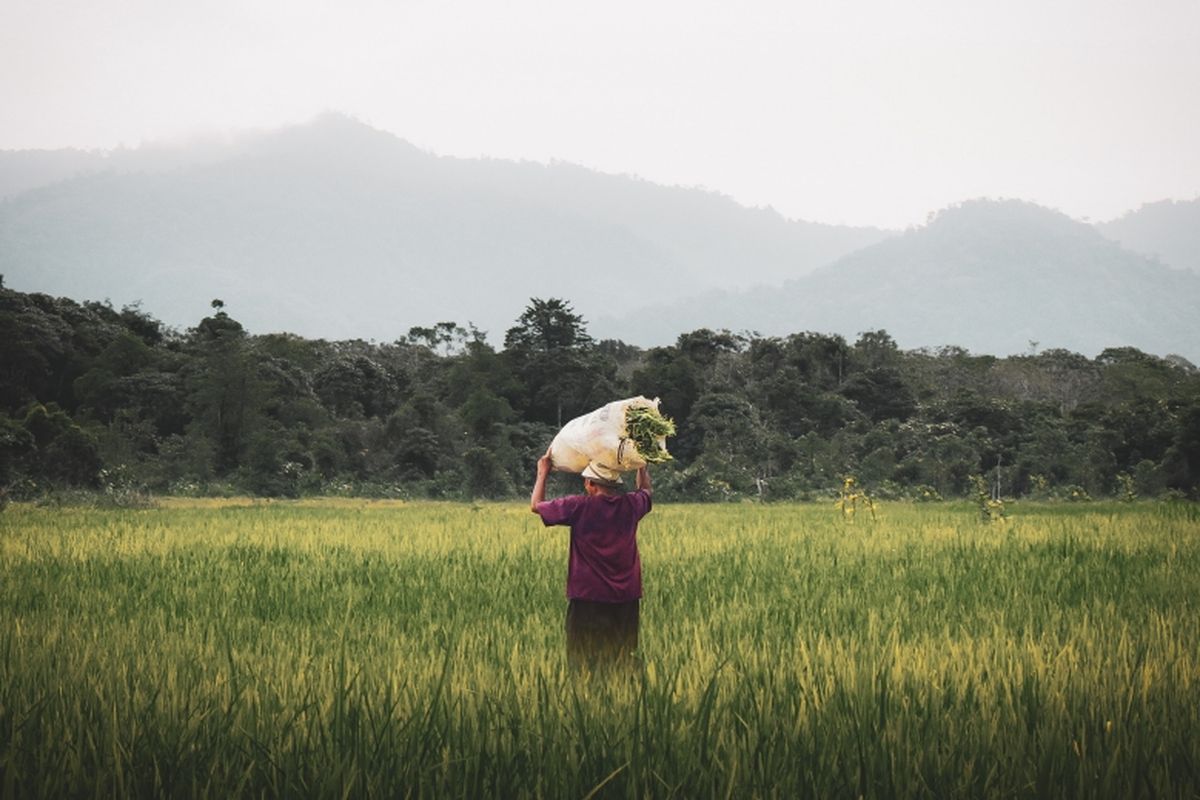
598 479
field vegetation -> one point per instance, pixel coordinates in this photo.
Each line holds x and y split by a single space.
386 649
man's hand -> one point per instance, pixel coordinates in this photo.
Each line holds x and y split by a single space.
643 480
544 465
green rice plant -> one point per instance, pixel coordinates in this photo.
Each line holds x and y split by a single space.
851 496
991 509
350 648
1128 487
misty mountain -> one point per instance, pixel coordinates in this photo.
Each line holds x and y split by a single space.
22 170
1168 230
988 276
334 229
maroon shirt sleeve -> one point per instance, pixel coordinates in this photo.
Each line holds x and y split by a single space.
641 499
560 511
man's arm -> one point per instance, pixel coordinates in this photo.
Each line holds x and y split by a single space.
539 483
643 480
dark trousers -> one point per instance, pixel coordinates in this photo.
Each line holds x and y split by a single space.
601 634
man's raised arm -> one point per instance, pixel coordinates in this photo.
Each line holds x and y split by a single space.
539 483
643 480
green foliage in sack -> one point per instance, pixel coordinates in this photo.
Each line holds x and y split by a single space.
645 426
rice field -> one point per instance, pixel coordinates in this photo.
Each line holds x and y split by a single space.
342 648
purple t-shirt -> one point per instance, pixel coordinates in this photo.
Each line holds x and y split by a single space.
604 564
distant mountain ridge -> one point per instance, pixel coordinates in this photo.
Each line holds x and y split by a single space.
991 276
1168 230
334 229
22 170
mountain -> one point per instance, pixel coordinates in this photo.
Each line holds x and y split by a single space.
991 276
22 170
334 229
1168 230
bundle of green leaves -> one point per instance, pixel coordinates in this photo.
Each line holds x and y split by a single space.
645 426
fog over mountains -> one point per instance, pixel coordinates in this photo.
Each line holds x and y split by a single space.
990 276
337 230
1168 230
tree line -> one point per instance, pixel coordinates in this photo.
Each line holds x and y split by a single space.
115 403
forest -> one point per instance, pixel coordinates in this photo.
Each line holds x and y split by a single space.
113 405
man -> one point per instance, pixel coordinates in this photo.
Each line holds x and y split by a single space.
604 573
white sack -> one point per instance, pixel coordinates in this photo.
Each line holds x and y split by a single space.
600 437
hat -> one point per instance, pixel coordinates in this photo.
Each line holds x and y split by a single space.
602 475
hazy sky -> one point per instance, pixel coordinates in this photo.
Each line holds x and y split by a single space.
864 111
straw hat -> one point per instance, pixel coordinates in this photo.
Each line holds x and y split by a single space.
602 475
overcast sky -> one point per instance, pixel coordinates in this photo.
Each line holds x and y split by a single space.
863 112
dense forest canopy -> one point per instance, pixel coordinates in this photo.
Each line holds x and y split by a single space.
114 402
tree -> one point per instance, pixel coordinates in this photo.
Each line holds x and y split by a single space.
142 325
354 385
704 346
106 386
449 336
418 453
552 354
481 367
736 442
677 381
225 395
484 413
52 339
15 444
821 358
876 349
880 393
548 326
484 476
1182 462
62 452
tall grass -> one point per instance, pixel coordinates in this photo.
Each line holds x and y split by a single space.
343 648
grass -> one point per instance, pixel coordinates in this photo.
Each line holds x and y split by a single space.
351 648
